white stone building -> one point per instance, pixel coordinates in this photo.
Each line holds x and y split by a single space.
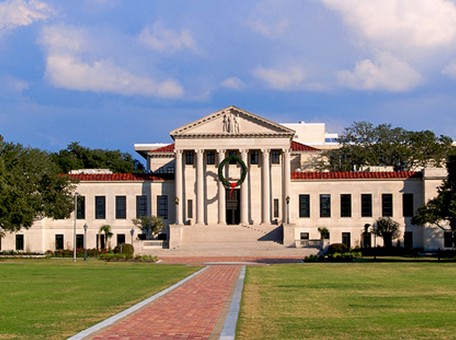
185 187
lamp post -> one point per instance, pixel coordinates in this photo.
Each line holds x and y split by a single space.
132 232
85 241
74 226
374 227
287 199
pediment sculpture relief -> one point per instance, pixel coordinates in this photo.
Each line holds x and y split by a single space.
230 123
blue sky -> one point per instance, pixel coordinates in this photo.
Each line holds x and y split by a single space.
112 73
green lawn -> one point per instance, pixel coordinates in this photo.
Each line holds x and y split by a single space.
349 301
56 298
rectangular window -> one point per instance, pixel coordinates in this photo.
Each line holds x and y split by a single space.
189 157
100 241
141 206
387 205
19 242
121 207
232 153
345 205
275 157
120 239
304 205
254 157
210 157
80 213
100 207
408 239
59 242
366 205
346 239
80 241
407 205
162 206
325 205
448 239
304 236
276 207
189 208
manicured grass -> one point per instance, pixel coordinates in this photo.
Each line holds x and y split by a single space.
56 298
405 300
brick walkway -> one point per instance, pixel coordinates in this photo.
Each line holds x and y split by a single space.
195 310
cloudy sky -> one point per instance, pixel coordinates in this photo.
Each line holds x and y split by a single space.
111 73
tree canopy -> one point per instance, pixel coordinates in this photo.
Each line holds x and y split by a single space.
31 187
441 210
76 157
364 144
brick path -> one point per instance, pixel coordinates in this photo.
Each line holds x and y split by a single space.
195 310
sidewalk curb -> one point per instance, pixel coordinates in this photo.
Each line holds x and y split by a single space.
229 328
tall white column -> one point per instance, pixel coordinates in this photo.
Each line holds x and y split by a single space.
178 182
286 180
221 193
200 187
244 191
265 183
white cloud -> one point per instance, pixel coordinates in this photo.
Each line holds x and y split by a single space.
271 30
450 70
386 73
159 38
400 25
73 63
289 79
15 13
233 83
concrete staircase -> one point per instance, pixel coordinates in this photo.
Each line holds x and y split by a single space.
234 241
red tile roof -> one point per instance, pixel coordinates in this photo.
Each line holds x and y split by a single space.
127 177
164 149
356 175
295 146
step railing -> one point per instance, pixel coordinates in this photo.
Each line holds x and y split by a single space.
309 244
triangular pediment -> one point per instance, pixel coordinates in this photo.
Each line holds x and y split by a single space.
232 122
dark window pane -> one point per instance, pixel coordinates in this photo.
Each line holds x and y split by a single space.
189 157
407 205
346 239
254 157
121 207
366 205
162 206
59 242
210 157
100 207
275 157
80 214
276 207
387 205
304 205
19 242
141 206
345 205
325 205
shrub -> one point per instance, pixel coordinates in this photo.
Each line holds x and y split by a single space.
125 249
337 248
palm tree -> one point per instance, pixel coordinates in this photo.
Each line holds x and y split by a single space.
106 229
387 229
149 225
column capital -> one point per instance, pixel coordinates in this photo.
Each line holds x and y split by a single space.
221 150
265 151
199 152
286 151
178 152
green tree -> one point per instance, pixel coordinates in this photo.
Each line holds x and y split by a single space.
387 229
31 187
76 157
364 144
106 230
441 210
149 225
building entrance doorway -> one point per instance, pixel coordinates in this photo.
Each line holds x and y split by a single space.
233 215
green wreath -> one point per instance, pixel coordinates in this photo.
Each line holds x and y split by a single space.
222 164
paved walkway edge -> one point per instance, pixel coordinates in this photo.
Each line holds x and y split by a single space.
99 326
229 328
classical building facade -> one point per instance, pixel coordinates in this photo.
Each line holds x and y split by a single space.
235 168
